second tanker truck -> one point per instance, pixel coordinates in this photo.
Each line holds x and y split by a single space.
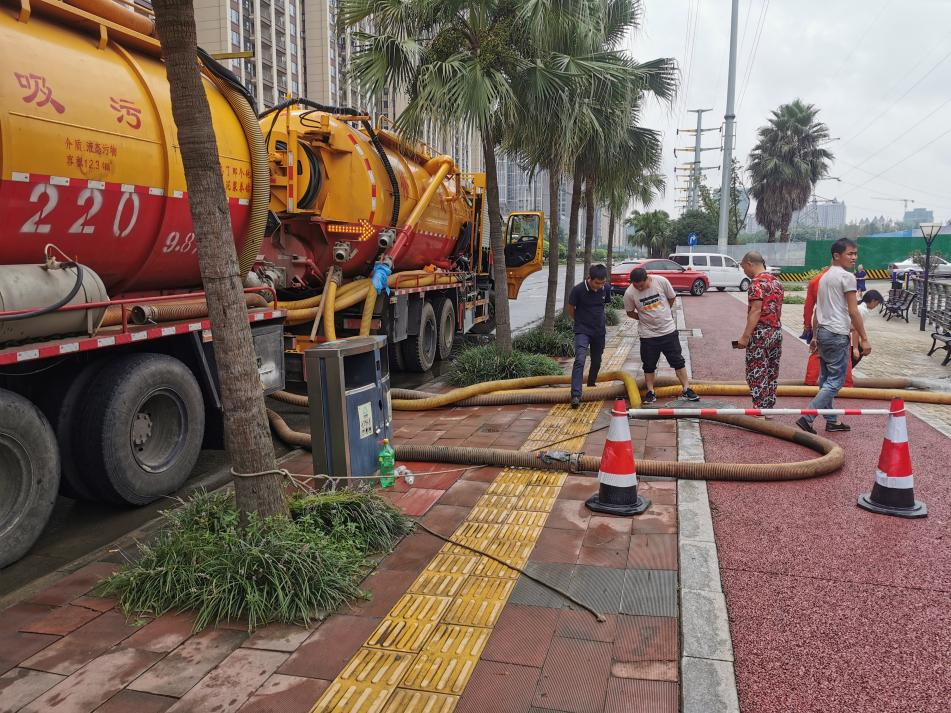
107 380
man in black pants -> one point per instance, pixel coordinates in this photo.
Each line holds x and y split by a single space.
586 307
649 300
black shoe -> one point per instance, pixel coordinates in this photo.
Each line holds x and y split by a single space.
689 395
649 398
575 401
837 427
806 426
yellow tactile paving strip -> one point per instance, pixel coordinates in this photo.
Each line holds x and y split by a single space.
422 654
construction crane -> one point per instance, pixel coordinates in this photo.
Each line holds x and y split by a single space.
906 201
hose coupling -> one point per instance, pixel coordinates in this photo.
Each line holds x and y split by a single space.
386 238
572 459
342 251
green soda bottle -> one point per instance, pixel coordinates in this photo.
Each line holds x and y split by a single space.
387 460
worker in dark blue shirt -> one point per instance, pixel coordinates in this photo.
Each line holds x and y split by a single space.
586 307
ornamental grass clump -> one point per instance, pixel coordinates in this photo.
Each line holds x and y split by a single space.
488 363
537 341
275 569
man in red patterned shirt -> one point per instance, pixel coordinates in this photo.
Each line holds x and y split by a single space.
763 336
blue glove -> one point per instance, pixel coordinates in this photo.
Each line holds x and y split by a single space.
381 277
806 335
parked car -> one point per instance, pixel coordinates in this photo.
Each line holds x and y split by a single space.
722 270
682 279
942 268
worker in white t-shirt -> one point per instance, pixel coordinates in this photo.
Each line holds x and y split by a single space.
870 302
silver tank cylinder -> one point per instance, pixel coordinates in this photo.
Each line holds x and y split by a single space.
34 287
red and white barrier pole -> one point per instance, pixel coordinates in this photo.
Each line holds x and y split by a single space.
700 412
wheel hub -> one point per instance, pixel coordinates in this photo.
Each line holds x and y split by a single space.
141 429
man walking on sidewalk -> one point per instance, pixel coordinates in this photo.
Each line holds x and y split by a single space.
763 337
586 307
836 315
650 299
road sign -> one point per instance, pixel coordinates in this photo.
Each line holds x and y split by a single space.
692 239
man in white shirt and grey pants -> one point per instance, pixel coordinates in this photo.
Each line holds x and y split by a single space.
836 315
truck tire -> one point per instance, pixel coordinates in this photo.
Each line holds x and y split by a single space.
142 428
29 475
419 350
395 351
445 326
488 326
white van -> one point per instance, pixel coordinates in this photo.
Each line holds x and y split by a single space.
722 270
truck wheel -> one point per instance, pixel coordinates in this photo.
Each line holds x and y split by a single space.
142 428
488 326
445 326
419 351
397 362
697 288
29 475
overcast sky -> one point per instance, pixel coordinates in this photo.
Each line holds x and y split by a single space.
853 59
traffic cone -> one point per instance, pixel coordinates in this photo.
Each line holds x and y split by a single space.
894 489
617 494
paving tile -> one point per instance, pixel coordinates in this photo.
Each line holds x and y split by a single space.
60 621
285 694
629 695
417 501
74 651
578 487
16 647
651 670
654 453
575 676
653 551
499 688
558 546
528 592
95 683
136 702
580 624
19 686
99 604
483 475
413 552
646 638
608 532
178 672
228 686
657 519
278 637
444 519
569 515
464 493
164 633
74 585
598 587
650 592
661 439
19 615
659 496
615 558
328 649
522 635
445 477
385 587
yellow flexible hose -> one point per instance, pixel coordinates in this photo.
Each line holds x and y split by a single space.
330 329
366 319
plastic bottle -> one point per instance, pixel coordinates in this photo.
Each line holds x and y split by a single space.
387 460
405 473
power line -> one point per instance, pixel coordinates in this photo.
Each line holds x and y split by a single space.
689 47
862 37
754 48
898 163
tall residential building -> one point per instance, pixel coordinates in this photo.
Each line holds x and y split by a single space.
913 218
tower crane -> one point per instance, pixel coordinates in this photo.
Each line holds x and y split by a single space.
906 201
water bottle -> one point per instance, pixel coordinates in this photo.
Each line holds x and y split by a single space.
387 460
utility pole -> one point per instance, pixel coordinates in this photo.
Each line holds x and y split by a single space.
729 118
695 169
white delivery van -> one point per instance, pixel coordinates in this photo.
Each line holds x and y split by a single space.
722 270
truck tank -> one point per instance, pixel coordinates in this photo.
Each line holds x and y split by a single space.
337 207
89 159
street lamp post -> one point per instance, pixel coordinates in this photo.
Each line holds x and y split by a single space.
929 231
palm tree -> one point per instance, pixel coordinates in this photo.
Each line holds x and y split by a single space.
623 186
652 231
246 432
785 165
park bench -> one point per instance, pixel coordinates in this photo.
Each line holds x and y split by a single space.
893 295
941 338
900 305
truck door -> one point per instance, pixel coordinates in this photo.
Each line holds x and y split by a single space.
524 248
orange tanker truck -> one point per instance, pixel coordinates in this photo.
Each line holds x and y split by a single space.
108 386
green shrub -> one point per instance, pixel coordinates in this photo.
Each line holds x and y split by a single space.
794 300
617 302
273 569
537 341
487 363
612 317
564 323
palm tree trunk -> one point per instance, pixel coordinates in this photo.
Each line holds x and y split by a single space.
588 223
611 224
246 433
554 250
503 322
572 236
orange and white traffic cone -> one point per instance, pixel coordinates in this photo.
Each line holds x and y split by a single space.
617 494
894 489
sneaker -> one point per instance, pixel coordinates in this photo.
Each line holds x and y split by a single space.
837 427
689 395
649 398
805 425
575 401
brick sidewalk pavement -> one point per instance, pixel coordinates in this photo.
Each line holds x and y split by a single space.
68 651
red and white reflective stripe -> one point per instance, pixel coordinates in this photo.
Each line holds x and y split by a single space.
617 461
903 482
85 344
428 288
369 169
697 412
